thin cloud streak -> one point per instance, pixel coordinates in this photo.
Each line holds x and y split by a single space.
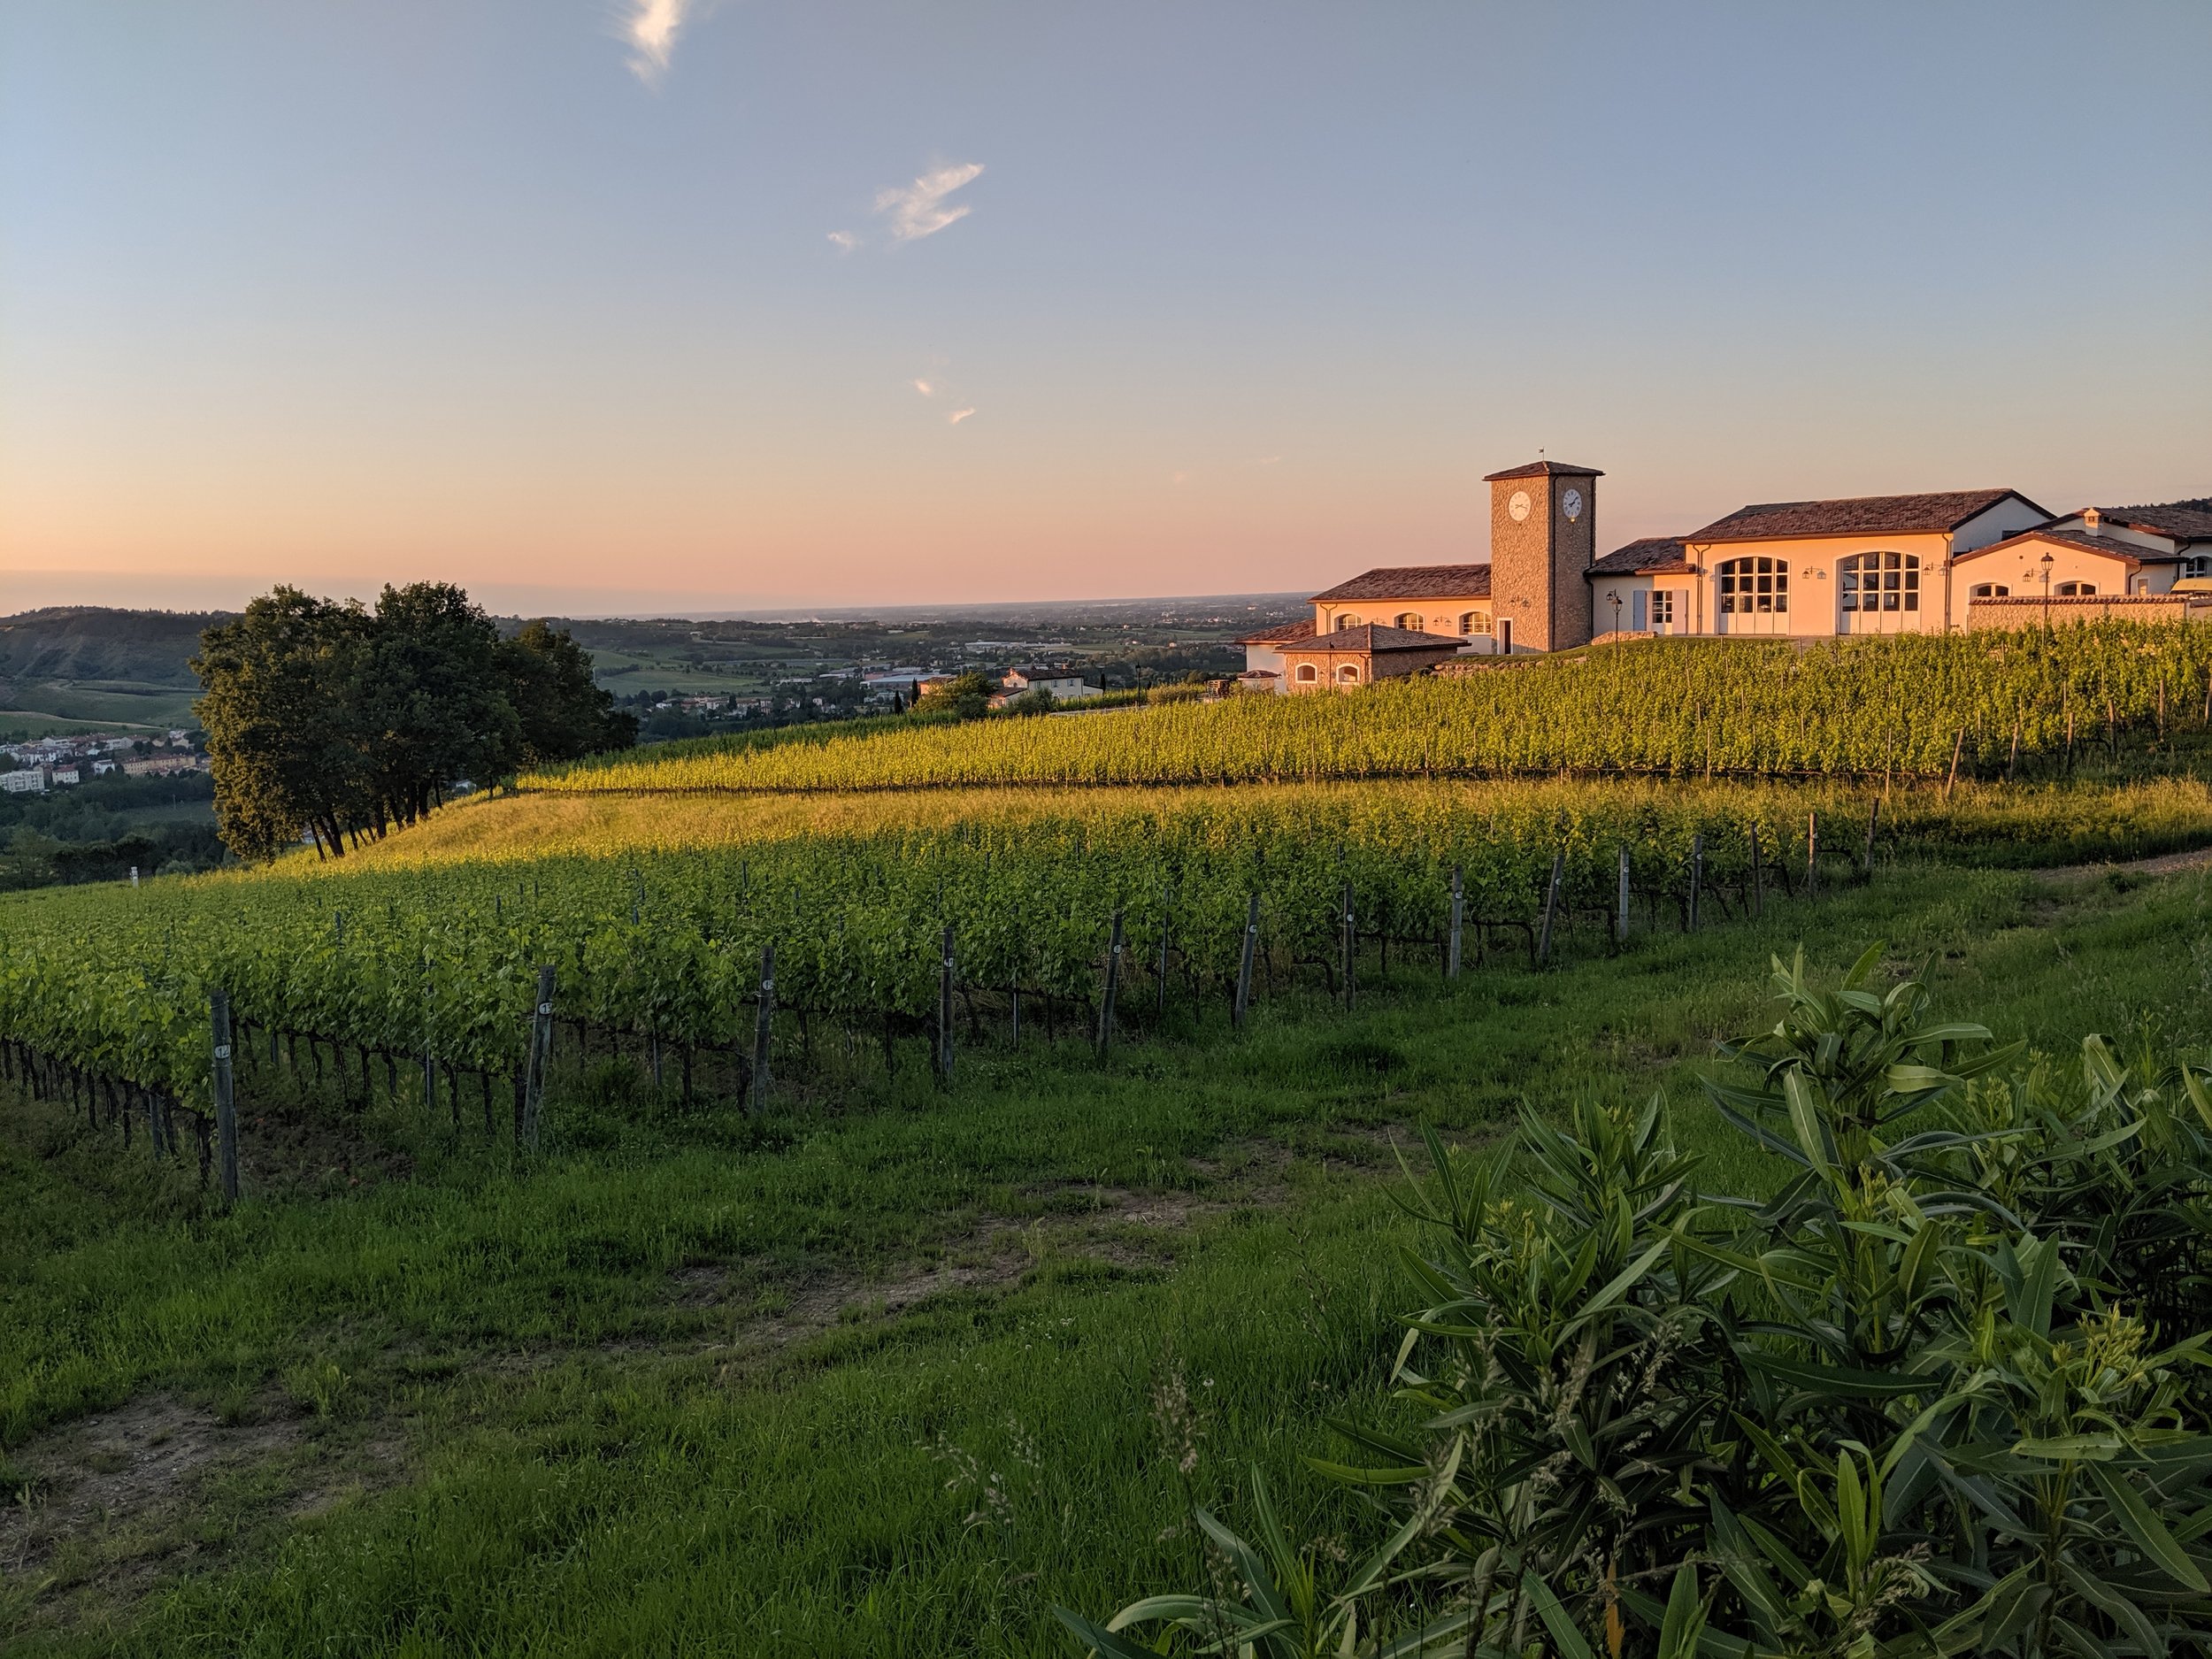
919 209
845 240
925 389
957 416
650 28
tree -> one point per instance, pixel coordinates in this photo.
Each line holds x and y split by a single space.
283 737
434 699
349 721
563 713
967 696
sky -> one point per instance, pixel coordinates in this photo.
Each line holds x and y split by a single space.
623 306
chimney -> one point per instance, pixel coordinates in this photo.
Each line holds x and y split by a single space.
2090 519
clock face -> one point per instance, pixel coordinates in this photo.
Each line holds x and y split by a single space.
1571 503
1518 505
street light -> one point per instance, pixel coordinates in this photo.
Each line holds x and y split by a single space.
1615 596
2047 563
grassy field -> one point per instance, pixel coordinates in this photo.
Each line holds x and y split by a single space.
892 1370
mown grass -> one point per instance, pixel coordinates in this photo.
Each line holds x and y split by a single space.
597 1463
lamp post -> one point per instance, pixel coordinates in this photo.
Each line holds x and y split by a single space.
1615 596
2047 563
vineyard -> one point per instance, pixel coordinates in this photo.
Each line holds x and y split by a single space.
413 980
1923 705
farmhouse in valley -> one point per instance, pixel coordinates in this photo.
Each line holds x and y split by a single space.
1800 569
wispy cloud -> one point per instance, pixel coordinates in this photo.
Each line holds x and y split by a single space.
650 26
957 416
1267 460
845 240
925 389
919 209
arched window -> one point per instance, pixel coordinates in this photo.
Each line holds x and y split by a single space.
1348 673
1474 622
1881 582
1305 674
2196 569
1409 620
2141 584
1988 590
2076 590
1347 620
1753 584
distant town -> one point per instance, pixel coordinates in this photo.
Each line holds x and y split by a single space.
60 762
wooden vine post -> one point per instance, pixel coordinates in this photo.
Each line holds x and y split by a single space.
1159 1000
1620 903
534 1064
1113 982
1243 1002
945 960
1957 750
1551 905
225 1105
1812 854
1697 874
1348 947
1453 941
764 1026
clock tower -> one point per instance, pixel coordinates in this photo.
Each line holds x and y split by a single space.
1543 536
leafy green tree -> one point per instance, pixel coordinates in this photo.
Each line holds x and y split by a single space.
349 721
283 738
434 699
563 713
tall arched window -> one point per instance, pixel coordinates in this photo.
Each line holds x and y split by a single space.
1881 582
1409 620
1753 584
1474 622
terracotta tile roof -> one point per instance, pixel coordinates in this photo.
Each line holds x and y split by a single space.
2131 554
1642 558
1859 515
2191 520
1542 469
1283 634
1360 641
1416 581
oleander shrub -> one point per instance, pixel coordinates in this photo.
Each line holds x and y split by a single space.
1942 1391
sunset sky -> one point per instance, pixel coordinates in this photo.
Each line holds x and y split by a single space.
641 305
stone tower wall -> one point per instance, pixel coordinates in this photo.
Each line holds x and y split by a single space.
1574 549
1537 564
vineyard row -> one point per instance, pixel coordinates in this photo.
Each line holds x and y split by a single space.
436 994
1974 705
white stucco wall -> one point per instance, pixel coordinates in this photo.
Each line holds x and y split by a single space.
2020 568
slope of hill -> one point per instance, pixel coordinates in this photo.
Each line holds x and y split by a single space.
1910 704
76 667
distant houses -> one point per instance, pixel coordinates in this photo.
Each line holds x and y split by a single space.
1927 563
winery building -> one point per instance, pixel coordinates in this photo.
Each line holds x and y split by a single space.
1925 563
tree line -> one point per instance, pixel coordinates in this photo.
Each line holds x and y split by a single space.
349 721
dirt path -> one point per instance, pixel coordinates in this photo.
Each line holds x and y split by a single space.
2165 865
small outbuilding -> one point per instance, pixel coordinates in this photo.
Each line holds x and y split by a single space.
1346 657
